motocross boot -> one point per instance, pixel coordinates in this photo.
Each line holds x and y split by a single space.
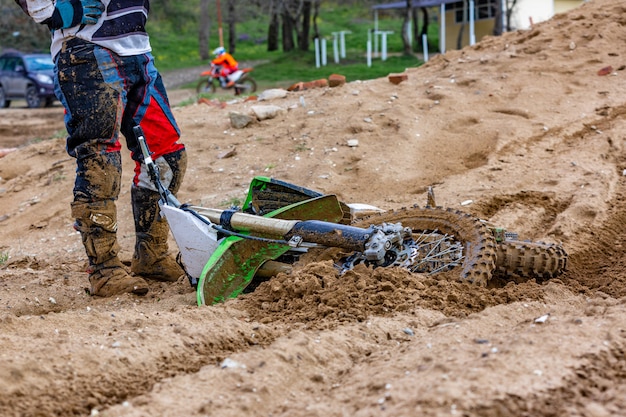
151 259
97 224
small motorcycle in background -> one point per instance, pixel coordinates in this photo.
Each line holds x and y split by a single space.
210 82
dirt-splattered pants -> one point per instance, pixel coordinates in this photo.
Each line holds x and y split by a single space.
104 94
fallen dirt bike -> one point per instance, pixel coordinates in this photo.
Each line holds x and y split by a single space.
223 251
210 82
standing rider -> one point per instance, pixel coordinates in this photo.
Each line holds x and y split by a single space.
107 81
227 63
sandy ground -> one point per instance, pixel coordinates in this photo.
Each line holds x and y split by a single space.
525 126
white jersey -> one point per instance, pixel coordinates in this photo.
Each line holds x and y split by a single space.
121 28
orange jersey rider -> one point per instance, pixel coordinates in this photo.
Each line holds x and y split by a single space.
226 62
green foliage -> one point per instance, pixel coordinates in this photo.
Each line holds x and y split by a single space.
179 48
59 134
173 49
177 16
19 31
173 29
4 257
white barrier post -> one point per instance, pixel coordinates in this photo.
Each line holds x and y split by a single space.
409 32
343 42
442 29
335 48
317 52
425 47
383 47
376 33
324 57
472 30
369 53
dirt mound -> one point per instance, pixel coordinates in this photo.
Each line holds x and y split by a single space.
526 129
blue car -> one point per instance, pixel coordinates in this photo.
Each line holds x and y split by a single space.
26 76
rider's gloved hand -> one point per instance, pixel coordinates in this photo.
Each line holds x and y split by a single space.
70 13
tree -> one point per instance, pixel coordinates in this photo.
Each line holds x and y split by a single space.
510 7
19 31
232 23
310 12
180 15
459 39
288 27
204 30
417 32
406 40
316 13
273 31
291 19
303 35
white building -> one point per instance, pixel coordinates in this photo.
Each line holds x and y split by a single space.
527 12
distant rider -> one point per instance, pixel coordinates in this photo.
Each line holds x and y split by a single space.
107 81
227 63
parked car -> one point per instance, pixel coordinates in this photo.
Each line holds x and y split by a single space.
27 76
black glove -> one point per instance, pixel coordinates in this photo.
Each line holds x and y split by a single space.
70 13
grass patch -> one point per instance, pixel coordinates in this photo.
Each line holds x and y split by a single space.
232 202
176 48
4 257
59 134
290 68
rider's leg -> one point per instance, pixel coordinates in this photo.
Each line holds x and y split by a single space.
151 259
154 115
96 189
93 106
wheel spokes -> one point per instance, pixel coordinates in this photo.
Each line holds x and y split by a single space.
433 252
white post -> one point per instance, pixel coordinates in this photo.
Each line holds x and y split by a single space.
383 47
335 48
324 56
376 20
343 43
442 29
317 52
425 47
471 19
409 34
376 33
369 52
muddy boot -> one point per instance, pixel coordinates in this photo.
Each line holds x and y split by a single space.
110 278
151 259
97 224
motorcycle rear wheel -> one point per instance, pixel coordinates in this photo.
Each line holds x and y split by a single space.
206 86
248 85
479 247
520 261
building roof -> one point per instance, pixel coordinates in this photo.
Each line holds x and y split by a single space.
414 3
